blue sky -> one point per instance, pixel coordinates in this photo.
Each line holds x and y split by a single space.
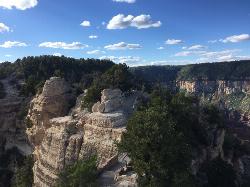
137 32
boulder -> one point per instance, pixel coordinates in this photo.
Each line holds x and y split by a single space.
109 94
96 107
112 105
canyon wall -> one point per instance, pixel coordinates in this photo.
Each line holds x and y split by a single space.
233 96
12 113
14 143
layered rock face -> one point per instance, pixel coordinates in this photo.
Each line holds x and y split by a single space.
234 98
230 95
54 101
64 140
221 87
12 127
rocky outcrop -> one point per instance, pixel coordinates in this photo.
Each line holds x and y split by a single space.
54 101
61 141
60 146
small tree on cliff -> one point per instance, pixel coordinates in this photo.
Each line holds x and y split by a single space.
24 173
81 174
118 76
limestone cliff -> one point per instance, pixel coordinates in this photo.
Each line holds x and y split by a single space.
61 140
12 127
233 96
54 101
14 143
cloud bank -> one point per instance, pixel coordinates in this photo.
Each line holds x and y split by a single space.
125 1
63 45
121 21
123 46
18 4
10 44
236 38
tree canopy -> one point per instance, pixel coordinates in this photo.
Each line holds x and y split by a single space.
162 137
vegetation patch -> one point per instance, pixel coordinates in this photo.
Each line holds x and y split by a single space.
83 173
118 76
163 135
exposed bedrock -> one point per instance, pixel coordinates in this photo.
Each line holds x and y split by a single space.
233 96
61 140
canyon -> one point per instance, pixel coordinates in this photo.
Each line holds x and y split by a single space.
58 131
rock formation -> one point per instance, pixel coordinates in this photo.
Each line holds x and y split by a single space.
61 140
14 143
54 101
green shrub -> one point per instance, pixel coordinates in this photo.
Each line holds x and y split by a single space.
24 174
92 96
118 76
81 174
162 135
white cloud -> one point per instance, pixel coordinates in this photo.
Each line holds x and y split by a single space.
188 53
95 52
212 41
4 28
173 42
57 54
63 45
8 56
218 54
93 37
125 1
196 47
122 46
225 58
18 4
140 22
229 57
10 44
236 38
221 56
160 48
86 23
209 55
130 60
